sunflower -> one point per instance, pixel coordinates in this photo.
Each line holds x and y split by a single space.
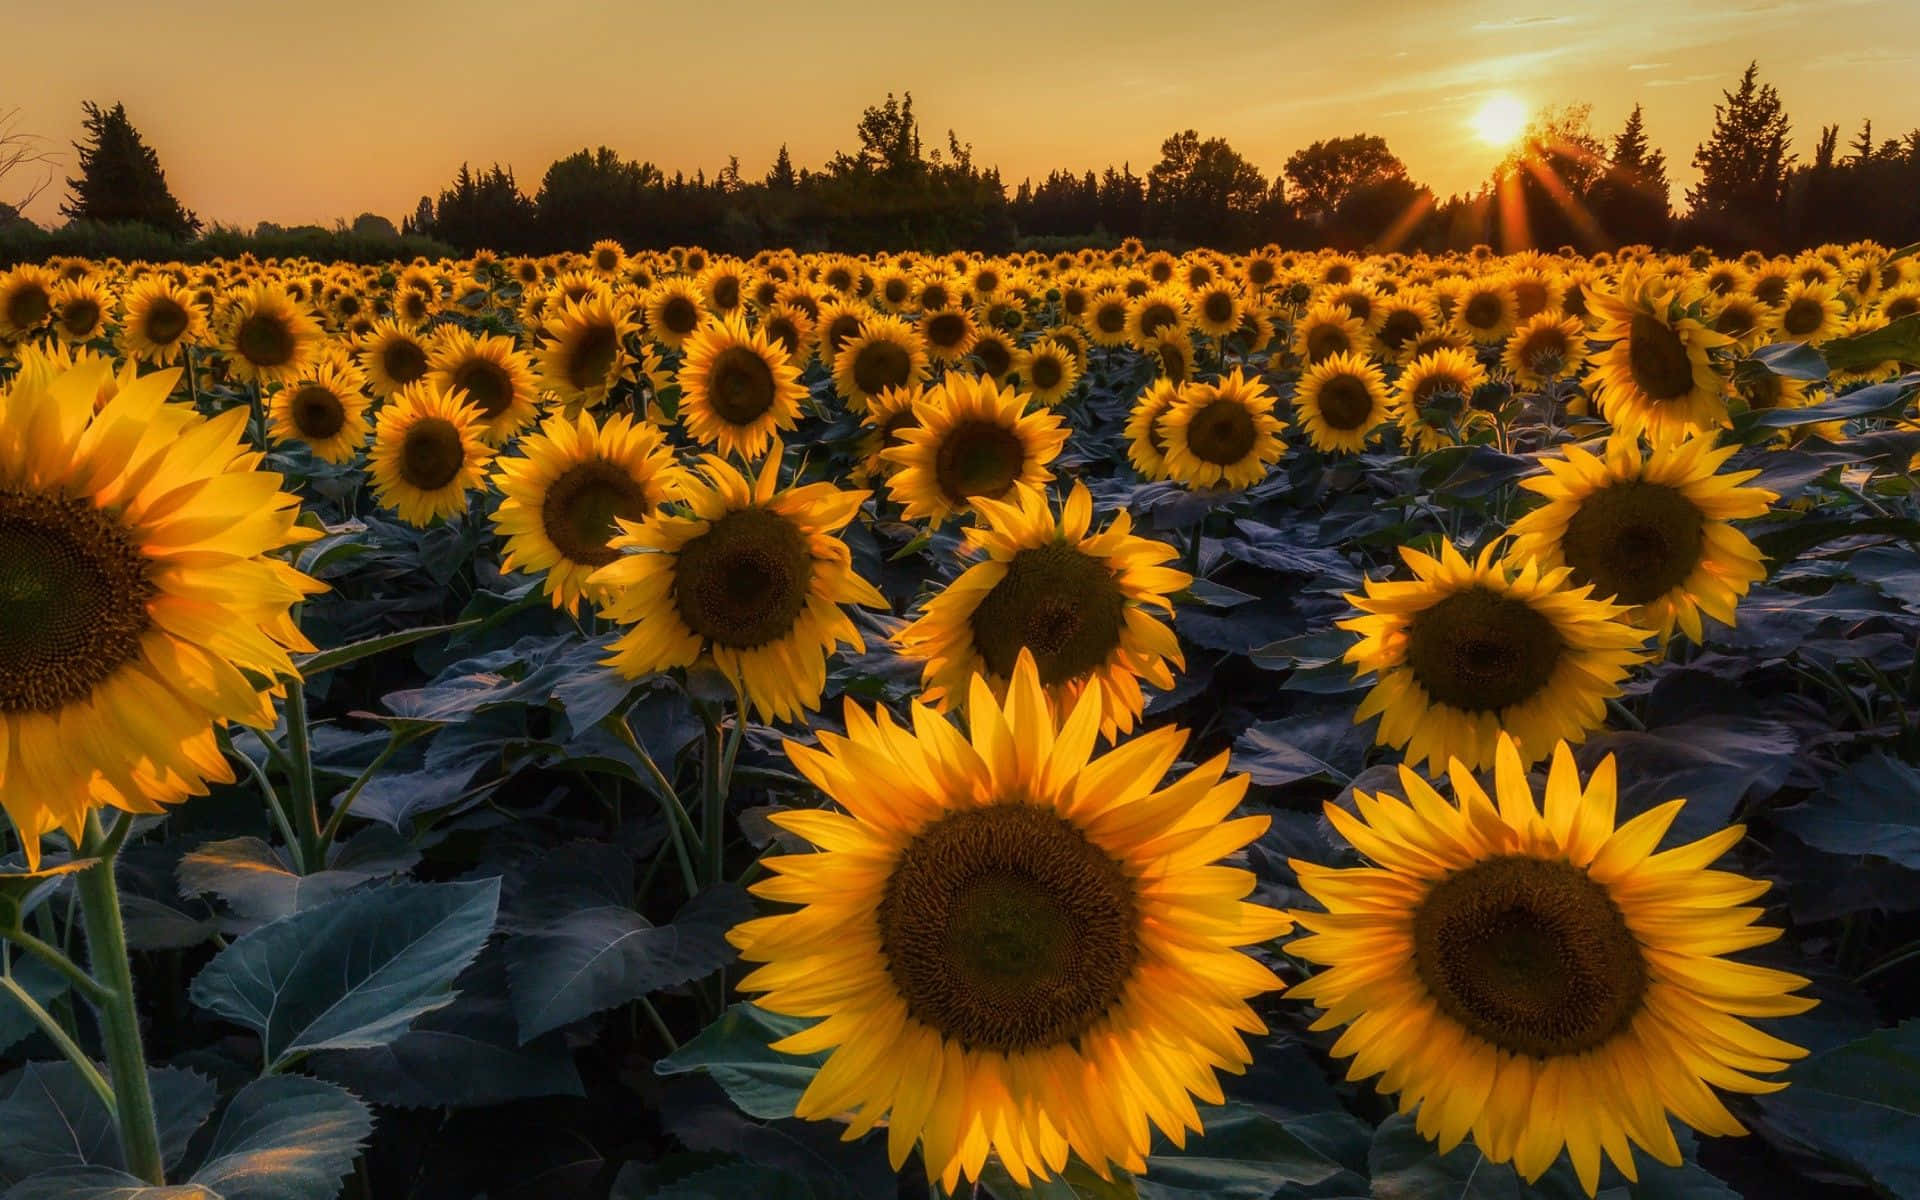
1811 313
427 453
891 411
1741 317
675 311
1655 377
725 286
80 308
1464 651
1535 292
1020 949
1080 602
752 577
564 491
1158 312
1217 308
737 388
143 603
1146 448
497 378
26 300
1340 402
1326 330
269 338
1649 530
393 356
606 258
1431 395
1486 310
1537 977
1404 320
840 322
791 329
1048 370
325 409
1172 356
886 353
1544 348
1221 434
158 318
586 355
972 437
1106 317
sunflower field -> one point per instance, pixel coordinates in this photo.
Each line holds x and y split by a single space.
1100 724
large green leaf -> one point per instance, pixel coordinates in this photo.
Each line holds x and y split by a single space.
1859 1104
1896 341
51 1118
1244 1154
736 1051
1873 807
101 1183
352 973
285 1138
39 981
311 665
259 884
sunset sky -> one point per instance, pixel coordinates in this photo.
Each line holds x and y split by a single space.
274 112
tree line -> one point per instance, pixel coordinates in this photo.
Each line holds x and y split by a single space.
1562 184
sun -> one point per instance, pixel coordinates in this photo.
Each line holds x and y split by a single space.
1500 120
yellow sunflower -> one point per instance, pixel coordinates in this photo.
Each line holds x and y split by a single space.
675 310
751 578
1217 309
1326 330
1811 313
886 353
1431 395
1655 378
790 328
1048 370
891 411
1485 310
1533 975
1545 348
26 300
1340 402
1146 449
586 355
973 438
737 388
80 308
427 453
1221 434
1648 530
1464 651
393 356
1019 949
497 378
1105 318
1405 318
950 333
158 319
269 338
993 352
143 601
565 488
325 409
1156 313
1080 602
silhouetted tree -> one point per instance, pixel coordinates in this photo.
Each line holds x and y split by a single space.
1630 201
1743 168
781 177
20 154
120 178
1327 172
1202 191
485 210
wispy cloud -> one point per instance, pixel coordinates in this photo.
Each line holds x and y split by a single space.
1647 66
1520 23
1859 58
1682 81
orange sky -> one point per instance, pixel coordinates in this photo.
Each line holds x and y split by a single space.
274 112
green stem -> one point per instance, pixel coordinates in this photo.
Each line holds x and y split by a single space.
257 422
267 792
193 380
82 982
394 743
1626 714
679 824
58 1036
119 1019
306 812
659 1026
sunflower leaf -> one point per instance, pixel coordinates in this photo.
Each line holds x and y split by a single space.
311 665
286 1137
1859 1105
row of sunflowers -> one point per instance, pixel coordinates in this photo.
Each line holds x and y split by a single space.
1149 724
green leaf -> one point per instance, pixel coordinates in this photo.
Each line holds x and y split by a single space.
1243 1155
287 1137
38 980
311 665
101 1183
1859 1105
1896 341
1077 1182
736 1051
22 891
352 973
1788 542
257 883
1406 1166
1879 400
1873 807
1789 360
52 1118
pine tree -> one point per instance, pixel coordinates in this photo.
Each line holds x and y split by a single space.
120 178
1630 200
1862 144
1743 165
781 177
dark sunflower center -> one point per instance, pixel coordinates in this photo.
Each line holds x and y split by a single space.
1111 318
74 589
895 290
1260 272
1005 929
978 458
1657 357
488 386
1059 603
744 582
1222 433
592 358
1803 316
317 413
879 365
80 315
404 360
1483 311
265 340
1326 340
1401 326
946 329
841 330
680 315
1218 306
1902 306
1530 297
1345 403
1771 290
28 306
1634 541
783 331
166 321
580 508
994 356
1173 361
1530 955
740 385
1480 651
726 293
1735 320
432 454
1046 373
